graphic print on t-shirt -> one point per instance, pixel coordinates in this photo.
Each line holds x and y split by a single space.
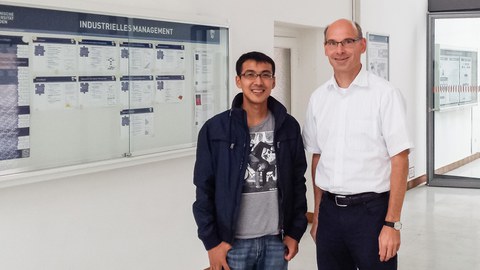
261 174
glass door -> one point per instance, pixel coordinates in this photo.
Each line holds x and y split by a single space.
453 125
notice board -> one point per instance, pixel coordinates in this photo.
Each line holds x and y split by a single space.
455 77
81 87
378 55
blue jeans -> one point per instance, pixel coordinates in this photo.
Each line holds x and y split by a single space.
263 253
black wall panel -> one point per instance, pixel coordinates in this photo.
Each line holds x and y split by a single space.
453 5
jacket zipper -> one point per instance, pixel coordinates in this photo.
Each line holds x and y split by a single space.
240 177
280 199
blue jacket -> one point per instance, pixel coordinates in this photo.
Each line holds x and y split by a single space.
222 155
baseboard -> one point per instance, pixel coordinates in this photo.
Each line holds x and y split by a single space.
309 217
457 164
415 182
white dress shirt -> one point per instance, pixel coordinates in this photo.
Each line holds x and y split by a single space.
356 131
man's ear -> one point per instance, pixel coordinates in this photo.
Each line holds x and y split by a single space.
364 44
237 81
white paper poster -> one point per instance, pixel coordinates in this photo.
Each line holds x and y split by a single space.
378 55
137 122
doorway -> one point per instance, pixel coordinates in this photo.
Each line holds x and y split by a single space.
453 125
283 70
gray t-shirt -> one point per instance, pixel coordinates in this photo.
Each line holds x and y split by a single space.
259 214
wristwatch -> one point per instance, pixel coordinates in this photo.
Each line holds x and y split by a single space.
397 225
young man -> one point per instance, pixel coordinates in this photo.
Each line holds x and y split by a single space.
356 129
249 175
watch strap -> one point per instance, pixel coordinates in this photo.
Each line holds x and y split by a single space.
396 225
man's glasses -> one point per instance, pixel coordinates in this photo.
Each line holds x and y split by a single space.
250 75
347 43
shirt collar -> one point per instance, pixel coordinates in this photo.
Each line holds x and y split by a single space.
360 81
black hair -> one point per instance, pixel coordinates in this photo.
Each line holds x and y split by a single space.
257 57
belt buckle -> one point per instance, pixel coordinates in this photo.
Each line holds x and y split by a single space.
341 197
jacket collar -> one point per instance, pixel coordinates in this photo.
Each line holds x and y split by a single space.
278 110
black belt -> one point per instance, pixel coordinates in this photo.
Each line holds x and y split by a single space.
349 200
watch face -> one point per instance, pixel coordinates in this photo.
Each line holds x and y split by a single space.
397 225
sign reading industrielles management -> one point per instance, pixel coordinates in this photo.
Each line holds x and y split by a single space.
46 20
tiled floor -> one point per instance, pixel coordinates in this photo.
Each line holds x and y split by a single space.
441 231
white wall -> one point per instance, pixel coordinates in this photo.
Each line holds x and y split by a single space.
128 218
405 22
135 217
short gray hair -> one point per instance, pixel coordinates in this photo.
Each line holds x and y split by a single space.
357 26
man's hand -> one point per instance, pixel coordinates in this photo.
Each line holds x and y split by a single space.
317 194
388 243
291 246
218 256
313 230
389 238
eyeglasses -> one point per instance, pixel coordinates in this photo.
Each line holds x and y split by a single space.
250 75
346 43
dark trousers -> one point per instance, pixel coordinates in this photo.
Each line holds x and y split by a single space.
347 237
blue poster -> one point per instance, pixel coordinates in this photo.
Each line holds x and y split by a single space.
14 116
